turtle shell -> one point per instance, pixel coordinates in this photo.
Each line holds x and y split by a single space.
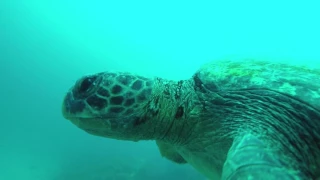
298 81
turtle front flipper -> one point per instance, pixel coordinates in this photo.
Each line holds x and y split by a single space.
248 158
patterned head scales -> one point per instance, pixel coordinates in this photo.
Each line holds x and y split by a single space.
108 104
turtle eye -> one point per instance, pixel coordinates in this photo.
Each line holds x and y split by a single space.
86 84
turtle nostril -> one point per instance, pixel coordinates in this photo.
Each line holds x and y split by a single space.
86 84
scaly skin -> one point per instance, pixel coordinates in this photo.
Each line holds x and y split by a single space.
196 120
128 107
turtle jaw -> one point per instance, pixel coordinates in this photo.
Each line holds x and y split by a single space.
70 106
78 113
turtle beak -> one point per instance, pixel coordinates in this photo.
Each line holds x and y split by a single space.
71 106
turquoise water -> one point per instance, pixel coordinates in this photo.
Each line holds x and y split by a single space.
46 46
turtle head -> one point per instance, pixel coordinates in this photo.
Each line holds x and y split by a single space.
109 104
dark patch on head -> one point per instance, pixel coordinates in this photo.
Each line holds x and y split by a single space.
144 95
116 89
103 92
129 102
84 87
137 85
125 79
109 79
116 109
73 106
149 83
129 94
108 82
116 100
86 83
129 111
97 102
179 113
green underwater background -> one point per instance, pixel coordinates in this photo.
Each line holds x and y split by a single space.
45 46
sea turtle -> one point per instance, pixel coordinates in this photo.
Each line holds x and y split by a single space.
233 119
